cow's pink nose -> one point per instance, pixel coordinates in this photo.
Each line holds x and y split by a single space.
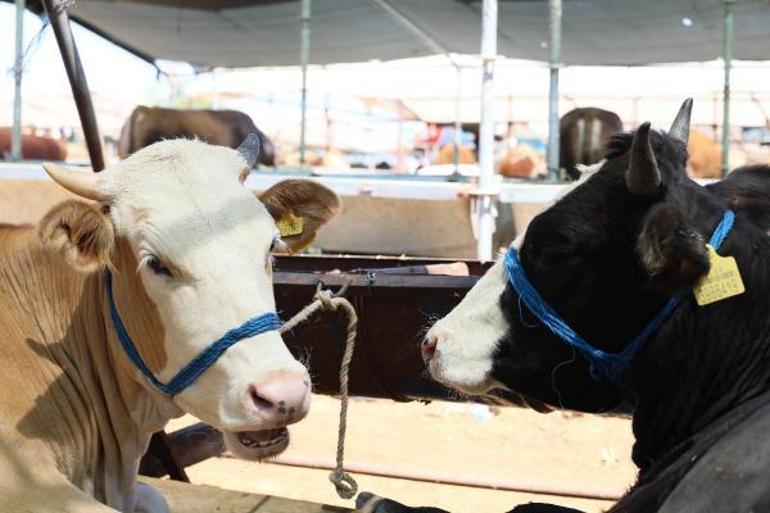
428 348
282 398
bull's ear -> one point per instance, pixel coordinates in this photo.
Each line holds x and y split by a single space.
673 253
747 190
300 208
80 233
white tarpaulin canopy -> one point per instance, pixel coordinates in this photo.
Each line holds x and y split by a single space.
245 33
428 85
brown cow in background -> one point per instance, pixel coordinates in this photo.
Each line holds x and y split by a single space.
582 134
446 155
147 125
33 147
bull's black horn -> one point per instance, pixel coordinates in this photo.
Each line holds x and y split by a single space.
249 149
643 176
680 128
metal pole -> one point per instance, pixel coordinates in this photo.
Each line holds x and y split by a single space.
484 206
727 54
69 52
458 125
16 153
554 58
305 58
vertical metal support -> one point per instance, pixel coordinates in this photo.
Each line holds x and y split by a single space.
458 126
16 153
69 52
484 205
304 59
727 55
554 62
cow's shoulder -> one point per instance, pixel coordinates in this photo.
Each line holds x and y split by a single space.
741 456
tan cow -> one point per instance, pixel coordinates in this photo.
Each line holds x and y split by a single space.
176 251
446 155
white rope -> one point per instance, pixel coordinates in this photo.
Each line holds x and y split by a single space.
343 482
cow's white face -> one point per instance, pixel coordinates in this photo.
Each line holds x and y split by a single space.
200 243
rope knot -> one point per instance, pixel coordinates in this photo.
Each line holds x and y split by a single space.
346 486
326 298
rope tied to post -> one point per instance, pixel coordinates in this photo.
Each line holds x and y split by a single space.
325 300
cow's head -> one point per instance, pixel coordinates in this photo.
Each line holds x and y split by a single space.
189 248
605 257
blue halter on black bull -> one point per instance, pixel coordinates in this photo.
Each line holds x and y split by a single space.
603 365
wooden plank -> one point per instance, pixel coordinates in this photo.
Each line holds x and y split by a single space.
188 498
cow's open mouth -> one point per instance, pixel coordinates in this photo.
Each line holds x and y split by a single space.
258 444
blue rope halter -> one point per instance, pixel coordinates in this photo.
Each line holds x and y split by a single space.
608 366
192 371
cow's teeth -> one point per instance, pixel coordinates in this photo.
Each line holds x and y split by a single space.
246 441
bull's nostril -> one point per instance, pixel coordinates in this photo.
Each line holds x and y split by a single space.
261 402
428 348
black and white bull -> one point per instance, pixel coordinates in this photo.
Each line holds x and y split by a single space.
629 236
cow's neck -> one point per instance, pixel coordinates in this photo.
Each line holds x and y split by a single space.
704 361
123 413
135 412
76 402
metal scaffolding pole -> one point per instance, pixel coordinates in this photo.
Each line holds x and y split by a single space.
727 55
484 200
458 131
304 58
16 153
554 62
60 22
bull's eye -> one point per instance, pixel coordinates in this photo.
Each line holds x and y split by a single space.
157 266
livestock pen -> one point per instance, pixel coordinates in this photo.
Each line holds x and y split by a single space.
410 290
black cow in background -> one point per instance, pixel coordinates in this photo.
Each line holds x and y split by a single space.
607 257
583 134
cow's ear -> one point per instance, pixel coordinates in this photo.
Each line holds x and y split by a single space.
80 233
747 190
673 253
300 208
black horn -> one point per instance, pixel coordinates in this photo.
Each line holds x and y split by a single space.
680 128
249 149
643 176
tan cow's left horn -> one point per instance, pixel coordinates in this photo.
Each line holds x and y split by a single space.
82 184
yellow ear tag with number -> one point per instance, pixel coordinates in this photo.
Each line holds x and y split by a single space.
291 224
722 281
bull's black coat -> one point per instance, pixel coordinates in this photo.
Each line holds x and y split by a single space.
607 260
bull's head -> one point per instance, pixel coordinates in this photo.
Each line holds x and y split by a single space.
188 248
606 256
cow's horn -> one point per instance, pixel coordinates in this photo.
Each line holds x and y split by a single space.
82 184
680 128
249 149
643 176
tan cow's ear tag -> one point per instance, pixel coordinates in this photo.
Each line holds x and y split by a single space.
722 281
290 225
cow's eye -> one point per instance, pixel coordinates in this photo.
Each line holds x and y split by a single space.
158 267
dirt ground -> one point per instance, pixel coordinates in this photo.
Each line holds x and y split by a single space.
522 447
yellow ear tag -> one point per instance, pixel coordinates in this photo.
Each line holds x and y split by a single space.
290 224
722 281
